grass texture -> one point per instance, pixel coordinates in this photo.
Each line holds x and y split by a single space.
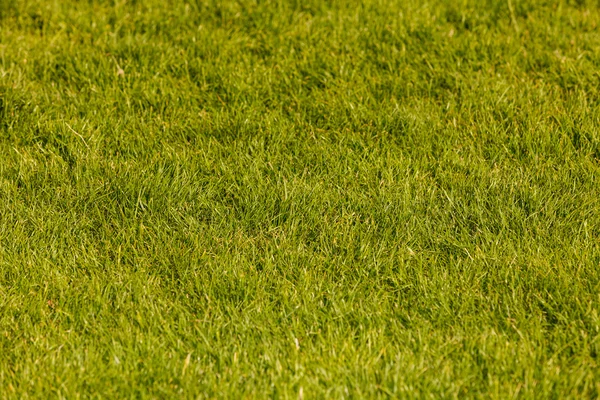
299 199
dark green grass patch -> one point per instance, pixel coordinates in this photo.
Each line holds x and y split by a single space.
299 199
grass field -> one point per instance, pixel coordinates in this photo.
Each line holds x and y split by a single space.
299 199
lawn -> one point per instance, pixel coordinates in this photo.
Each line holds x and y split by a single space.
299 199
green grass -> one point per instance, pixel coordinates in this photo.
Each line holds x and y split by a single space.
299 199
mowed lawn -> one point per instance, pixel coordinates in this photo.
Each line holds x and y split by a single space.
299 199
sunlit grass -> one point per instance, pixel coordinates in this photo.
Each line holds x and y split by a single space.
317 199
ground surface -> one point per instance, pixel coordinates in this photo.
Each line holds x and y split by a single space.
299 199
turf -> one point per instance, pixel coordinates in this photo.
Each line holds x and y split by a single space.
299 199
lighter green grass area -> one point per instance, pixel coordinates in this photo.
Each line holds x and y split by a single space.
299 199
